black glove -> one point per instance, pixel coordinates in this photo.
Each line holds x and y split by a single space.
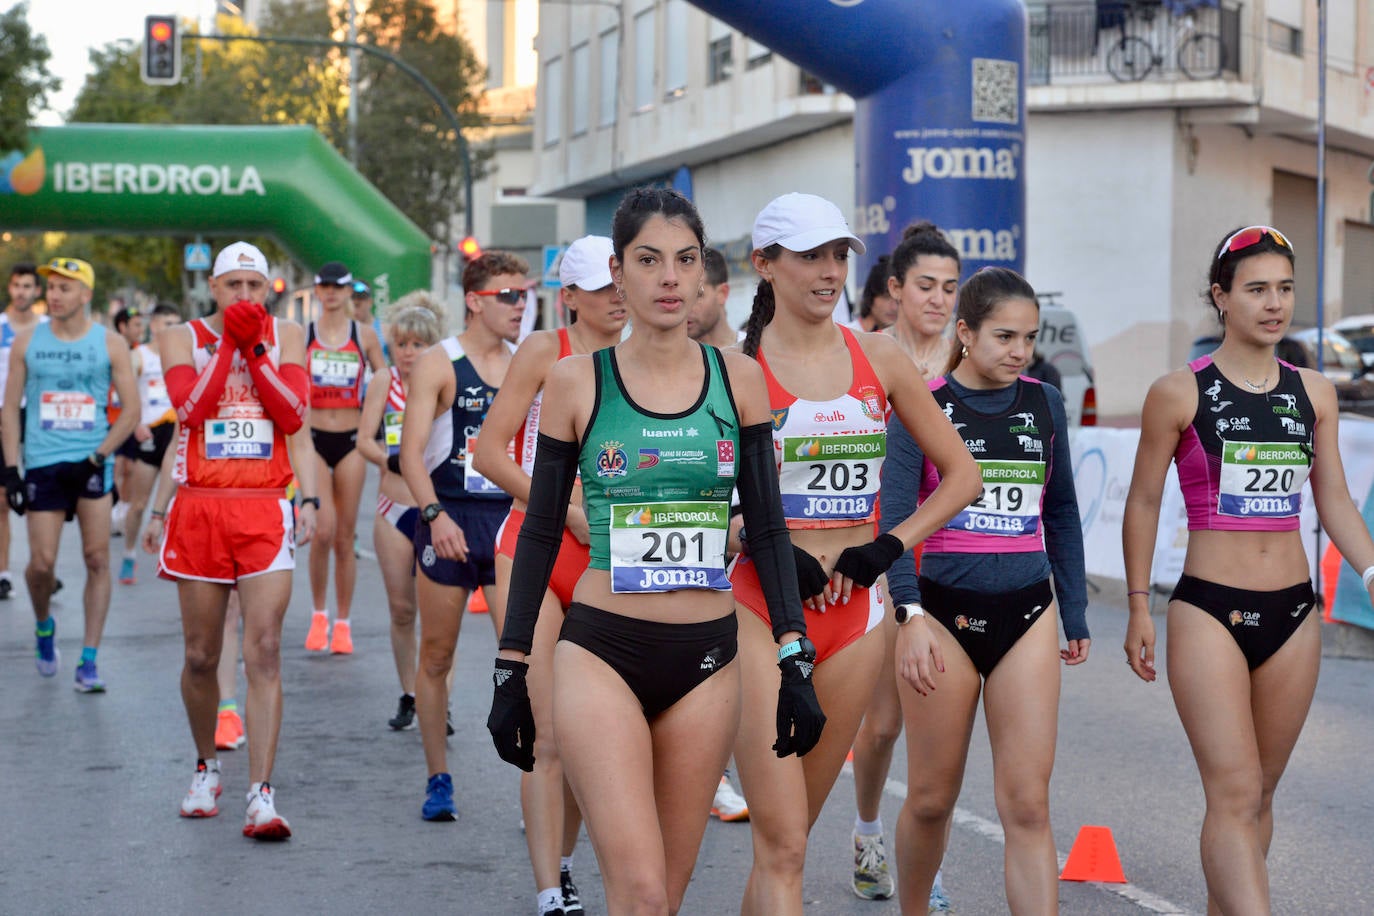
800 719
75 476
865 564
811 577
393 463
511 722
16 494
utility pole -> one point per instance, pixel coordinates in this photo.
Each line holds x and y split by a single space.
353 83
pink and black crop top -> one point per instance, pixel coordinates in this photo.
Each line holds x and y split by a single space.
1243 460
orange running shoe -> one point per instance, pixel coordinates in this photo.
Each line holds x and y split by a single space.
317 640
229 734
342 643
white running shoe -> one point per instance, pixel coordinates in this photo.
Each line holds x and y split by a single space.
200 800
871 880
729 805
262 821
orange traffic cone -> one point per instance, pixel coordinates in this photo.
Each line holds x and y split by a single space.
1093 858
477 603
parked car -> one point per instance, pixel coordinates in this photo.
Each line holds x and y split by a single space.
1341 363
1061 345
1359 330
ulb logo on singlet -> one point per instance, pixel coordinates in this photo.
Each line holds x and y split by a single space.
611 460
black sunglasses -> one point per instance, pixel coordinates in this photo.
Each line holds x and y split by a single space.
509 295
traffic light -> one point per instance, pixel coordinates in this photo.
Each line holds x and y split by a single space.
161 51
469 248
278 288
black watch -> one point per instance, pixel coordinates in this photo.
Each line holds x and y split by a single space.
803 647
97 459
905 613
260 349
310 500
431 512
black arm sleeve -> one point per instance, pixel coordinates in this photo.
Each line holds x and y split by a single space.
769 545
901 487
551 486
1064 529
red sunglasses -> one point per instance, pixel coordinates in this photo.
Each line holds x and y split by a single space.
1252 235
510 295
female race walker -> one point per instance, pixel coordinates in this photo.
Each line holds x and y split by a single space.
985 585
1246 430
414 323
922 280
339 351
829 393
597 315
647 698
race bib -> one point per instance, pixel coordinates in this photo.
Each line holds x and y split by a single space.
157 392
66 411
1262 479
829 478
391 428
1009 505
663 547
238 437
335 368
474 482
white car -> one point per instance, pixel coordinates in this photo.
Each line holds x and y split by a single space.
1061 344
1359 330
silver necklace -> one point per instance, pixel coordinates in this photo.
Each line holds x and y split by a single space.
1257 386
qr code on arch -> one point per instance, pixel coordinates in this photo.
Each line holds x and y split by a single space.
996 91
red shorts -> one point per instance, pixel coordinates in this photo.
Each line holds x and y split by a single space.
831 631
223 535
572 561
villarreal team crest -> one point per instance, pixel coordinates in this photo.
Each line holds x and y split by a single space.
611 460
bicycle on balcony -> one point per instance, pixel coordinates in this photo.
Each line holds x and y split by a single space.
1200 55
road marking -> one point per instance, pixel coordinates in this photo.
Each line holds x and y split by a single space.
993 831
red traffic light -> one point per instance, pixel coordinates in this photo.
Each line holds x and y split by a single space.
160 61
279 286
469 248
160 31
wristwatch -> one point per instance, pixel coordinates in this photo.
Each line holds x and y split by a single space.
312 500
905 612
431 512
97 459
259 349
802 646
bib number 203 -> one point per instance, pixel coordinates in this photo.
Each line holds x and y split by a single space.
672 546
837 476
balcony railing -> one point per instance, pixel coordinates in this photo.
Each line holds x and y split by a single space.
1084 42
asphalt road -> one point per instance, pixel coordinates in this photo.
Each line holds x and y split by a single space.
91 784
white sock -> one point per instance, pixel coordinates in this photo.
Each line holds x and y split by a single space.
549 900
565 863
320 610
212 764
5 574
868 828
130 555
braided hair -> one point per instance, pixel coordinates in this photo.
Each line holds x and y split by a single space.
764 306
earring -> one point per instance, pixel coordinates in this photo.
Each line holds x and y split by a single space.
619 293
964 353
701 291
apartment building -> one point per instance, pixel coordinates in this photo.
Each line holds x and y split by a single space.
1153 127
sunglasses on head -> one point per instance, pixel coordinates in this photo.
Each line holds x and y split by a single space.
64 264
1253 235
510 295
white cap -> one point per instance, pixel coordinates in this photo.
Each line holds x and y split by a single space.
801 222
239 256
587 263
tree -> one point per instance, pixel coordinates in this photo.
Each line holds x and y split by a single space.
24 78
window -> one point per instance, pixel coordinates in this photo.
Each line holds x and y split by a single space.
553 101
581 79
720 60
1283 37
758 55
675 49
610 77
644 59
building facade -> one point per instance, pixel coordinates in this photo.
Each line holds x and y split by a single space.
1153 128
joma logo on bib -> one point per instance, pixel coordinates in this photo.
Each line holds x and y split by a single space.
832 505
673 578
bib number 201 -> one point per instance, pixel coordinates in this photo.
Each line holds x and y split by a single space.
673 546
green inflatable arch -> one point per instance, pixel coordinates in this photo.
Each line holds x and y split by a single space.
286 182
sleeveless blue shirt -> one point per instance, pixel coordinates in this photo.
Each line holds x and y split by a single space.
67 390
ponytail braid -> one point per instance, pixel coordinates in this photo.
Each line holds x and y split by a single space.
759 316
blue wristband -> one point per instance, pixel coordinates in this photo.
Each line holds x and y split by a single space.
792 648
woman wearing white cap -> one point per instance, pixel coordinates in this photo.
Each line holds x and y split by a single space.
645 679
597 316
829 390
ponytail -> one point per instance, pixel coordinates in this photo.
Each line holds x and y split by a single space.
759 316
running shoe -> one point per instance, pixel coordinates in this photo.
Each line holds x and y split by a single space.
317 640
439 799
729 805
405 714
56 585
200 800
342 641
871 879
46 656
229 734
88 679
117 516
939 901
6 589
572 904
262 822
126 571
